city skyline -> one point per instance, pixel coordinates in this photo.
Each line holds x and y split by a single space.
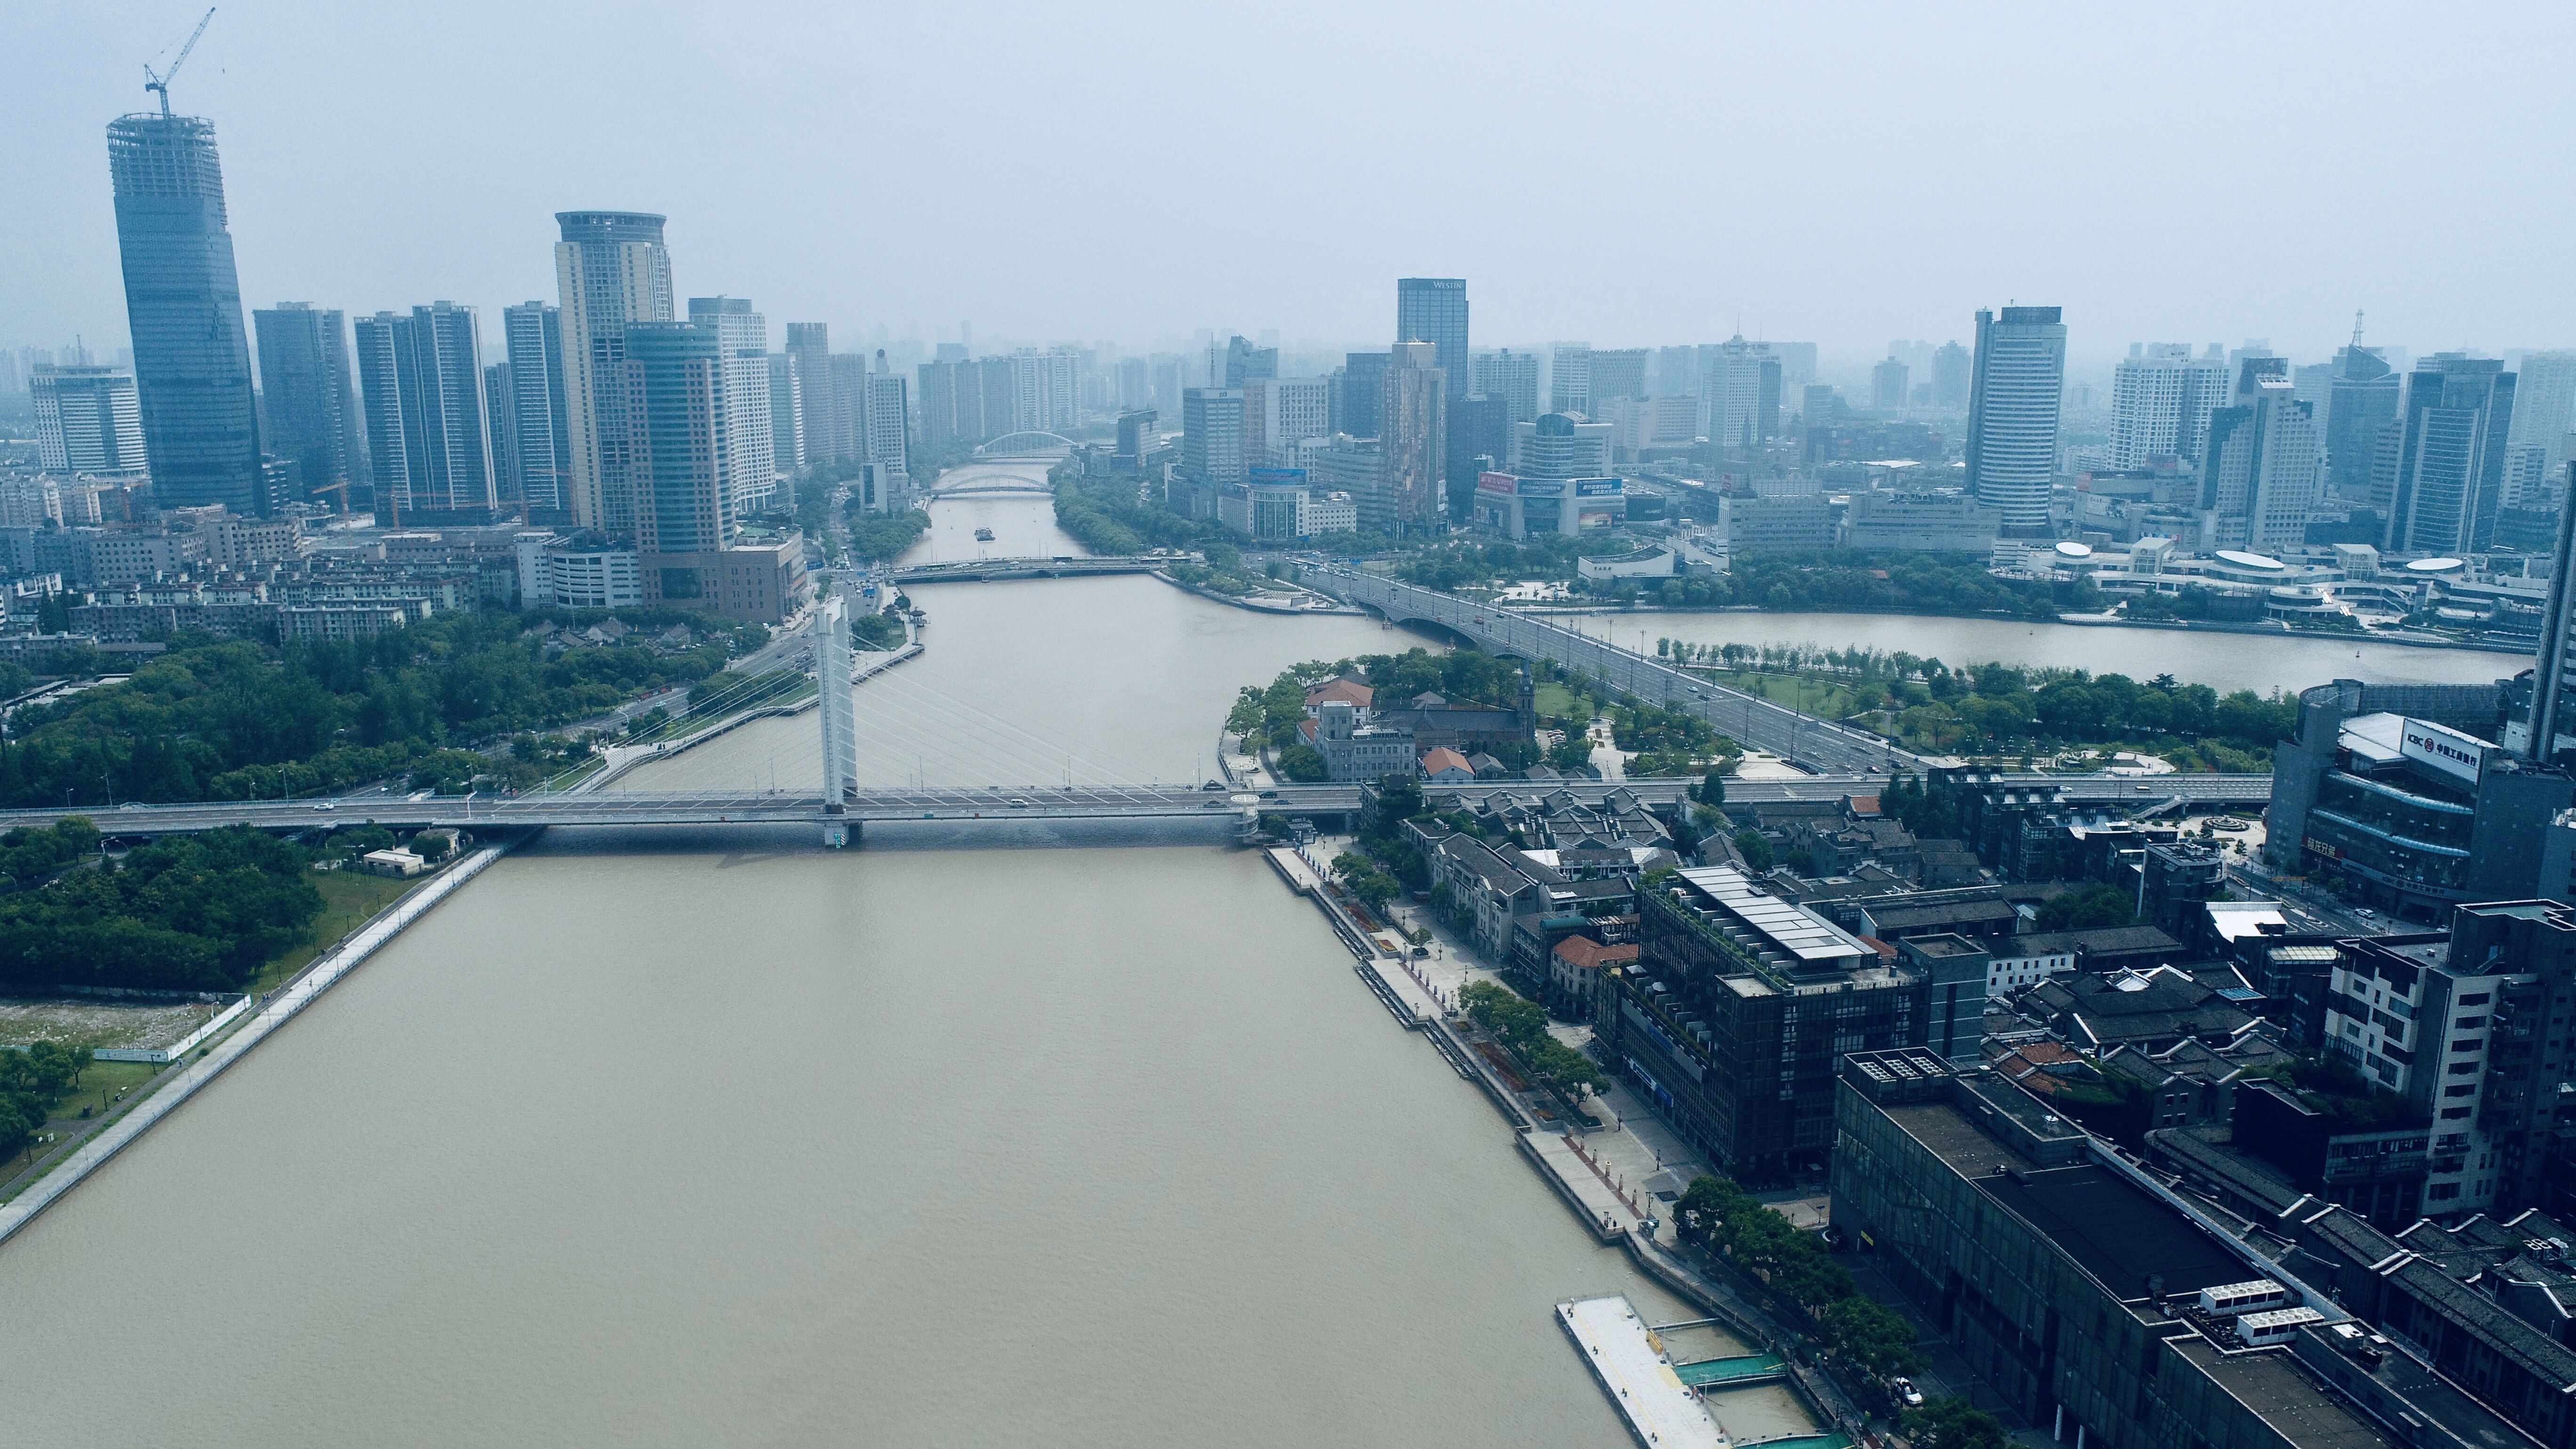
363 220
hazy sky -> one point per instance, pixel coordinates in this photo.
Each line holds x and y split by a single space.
1624 174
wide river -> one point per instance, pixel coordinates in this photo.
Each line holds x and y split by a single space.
707 1138
725 1139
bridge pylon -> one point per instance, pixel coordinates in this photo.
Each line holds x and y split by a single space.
839 715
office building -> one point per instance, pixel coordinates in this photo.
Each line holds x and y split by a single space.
88 421
1212 437
2398 793
1560 445
2161 399
2102 1306
1676 372
1740 393
541 425
1245 362
183 306
786 415
2361 404
2262 475
742 337
1787 523
889 436
1951 368
1517 507
1735 1012
1569 379
1355 469
1797 363
2544 408
610 270
827 438
1512 377
1887 384
2017 384
1944 520
849 420
431 449
1434 310
2444 479
1357 389
310 397
1414 432
1620 372
2545 733
678 434
1138 436
1281 412
1480 437
1135 388
1167 385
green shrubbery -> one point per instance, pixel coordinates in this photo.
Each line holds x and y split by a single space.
1721 1217
233 720
1521 1025
189 913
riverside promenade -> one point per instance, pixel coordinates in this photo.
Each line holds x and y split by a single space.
1603 1177
321 977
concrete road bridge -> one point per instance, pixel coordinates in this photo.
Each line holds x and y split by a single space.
1176 801
986 570
843 806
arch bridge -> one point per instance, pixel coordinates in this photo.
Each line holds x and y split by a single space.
1030 444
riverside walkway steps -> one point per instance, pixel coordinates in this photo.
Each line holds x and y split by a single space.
1661 1411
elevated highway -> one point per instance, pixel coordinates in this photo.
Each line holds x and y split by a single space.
1817 744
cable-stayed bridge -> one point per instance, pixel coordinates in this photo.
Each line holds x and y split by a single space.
816 776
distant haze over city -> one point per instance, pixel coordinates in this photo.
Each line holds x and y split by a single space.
1135 173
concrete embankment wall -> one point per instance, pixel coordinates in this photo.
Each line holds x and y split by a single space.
167 1097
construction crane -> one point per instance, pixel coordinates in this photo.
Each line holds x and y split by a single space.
159 82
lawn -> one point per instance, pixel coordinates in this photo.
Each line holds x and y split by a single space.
349 900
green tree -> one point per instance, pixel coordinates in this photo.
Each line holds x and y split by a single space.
1755 849
1301 762
1870 1335
2092 908
1711 789
1954 1423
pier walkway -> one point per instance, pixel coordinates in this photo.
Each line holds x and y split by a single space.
1661 1411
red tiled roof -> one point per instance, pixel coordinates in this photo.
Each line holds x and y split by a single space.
1444 758
1590 954
1344 688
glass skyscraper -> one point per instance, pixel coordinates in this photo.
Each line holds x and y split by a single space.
610 270
304 380
675 410
1434 310
2449 463
183 306
2016 386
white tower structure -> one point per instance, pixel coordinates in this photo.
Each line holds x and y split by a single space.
840 714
